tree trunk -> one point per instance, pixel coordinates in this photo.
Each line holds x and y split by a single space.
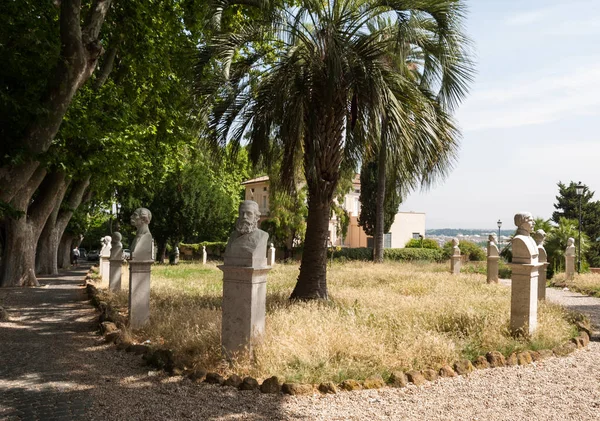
379 207
22 234
312 281
64 250
47 252
161 252
80 50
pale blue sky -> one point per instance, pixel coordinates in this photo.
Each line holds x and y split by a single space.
531 118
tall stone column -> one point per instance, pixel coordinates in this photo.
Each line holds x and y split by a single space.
542 278
539 236
570 259
244 283
139 292
204 255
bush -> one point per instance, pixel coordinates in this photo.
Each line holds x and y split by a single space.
405 254
473 251
427 243
194 251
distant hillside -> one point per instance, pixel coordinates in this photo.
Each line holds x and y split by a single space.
451 232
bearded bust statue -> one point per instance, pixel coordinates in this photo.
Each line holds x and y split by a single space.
247 245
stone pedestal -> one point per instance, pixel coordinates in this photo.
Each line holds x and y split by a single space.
204 255
105 268
139 292
114 283
524 297
542 281
570 267
455 265
271 255
492 269
244 307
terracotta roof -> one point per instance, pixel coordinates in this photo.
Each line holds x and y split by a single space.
256 180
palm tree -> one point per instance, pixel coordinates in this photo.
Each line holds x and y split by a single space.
311 76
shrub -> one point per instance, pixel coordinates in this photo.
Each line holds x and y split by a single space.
427 243
405 254
213 248
469 248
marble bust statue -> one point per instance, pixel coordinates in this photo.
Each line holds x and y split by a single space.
492 248
106 245
539 236
525 250
247 245
570 251
116 250
455 249
141 248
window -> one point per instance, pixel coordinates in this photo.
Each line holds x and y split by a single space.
387 240
264 189
416 235
252 190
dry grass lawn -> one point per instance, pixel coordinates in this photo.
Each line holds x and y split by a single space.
381 318
586 283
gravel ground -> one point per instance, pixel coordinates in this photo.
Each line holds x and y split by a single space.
55 367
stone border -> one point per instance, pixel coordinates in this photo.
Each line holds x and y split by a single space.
112 325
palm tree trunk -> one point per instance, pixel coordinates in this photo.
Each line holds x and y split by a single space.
379 208
312 282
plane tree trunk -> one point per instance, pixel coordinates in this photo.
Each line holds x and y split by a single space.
48 244
22 233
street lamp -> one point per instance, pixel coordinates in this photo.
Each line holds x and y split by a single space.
499 225
579 190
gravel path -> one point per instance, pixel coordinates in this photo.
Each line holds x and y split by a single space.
55 368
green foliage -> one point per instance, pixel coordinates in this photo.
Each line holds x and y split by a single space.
469 248
556 243
368 199
405 254
213 248
426 243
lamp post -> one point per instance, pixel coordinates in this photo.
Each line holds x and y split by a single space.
579 190
499 225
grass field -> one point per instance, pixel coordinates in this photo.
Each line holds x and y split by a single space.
586 283
381 318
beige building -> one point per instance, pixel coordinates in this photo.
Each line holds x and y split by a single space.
406 225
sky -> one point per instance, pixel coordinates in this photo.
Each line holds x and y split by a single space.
531 118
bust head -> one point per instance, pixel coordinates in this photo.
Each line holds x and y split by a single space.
455 242
492 238
116 237
247 221
539 236
141 217
106 240
570 242
524 222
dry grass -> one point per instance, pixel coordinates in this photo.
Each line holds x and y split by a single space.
380 318
586 283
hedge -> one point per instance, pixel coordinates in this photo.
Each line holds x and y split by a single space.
405 254
213 249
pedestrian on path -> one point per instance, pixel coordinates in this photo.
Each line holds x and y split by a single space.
74 256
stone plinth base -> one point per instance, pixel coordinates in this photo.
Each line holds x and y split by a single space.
244 307
542 281
455 265
271 256
524 297
114 283
139 292
570 267
492 269
104 269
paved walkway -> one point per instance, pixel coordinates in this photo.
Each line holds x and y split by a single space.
53 366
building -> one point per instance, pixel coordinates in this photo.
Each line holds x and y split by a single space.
406 225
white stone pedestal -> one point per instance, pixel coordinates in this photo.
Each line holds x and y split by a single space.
492 269
204 255
570 267
271 255
139 292
114 283
455 265
244 307
542 281
104 268
524 297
